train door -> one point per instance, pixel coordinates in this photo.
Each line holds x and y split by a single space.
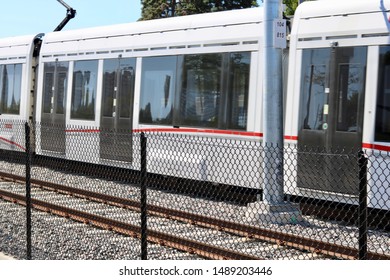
116 112
53 106
331 120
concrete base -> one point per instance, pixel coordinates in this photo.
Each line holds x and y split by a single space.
263 213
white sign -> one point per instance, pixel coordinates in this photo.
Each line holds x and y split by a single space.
280 34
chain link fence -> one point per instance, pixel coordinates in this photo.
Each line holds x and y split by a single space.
105 194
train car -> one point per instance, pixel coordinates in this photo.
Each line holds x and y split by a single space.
338 98
194 75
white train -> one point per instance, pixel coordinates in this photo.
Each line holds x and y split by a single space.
202 75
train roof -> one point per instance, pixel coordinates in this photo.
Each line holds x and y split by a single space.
228 27
347 22
13 49
197 21
324 8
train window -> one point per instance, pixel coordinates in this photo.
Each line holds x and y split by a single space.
126 84
238 88
10 87
157 89
109 86
382 122
350 87
48 89
62 80
201 90
54 87
84 89
118 87
314 88
206 90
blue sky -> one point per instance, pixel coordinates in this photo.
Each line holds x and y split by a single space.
24 17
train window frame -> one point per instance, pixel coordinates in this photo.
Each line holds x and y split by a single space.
238 90
233 87
201 90
14 90
55 85
118 87
78 110
382 118
156 106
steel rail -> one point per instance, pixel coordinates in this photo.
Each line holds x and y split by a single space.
163 239
285 239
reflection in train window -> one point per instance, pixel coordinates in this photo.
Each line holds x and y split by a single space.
109 86
350 86
202 90
84 89
10 88
314 84
157 90
118 87
238 88
54 87
382 123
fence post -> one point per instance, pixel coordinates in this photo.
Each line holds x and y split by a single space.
28 190
144 236
362 220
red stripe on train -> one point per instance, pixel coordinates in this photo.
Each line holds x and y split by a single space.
197 130
376 147
290 137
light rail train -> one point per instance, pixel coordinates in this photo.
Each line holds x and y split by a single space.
202 75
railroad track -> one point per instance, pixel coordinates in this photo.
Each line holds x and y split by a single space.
281 239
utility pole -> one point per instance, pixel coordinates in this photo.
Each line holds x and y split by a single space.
273 208
272 108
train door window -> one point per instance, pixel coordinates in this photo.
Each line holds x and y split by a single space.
54 87
84 89
118 87
109 86
201 90
158 90
238 90
61 91
350 63
126 84
382 122
10 87
314 88
48 88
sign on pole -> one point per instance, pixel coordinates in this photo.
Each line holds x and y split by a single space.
280 40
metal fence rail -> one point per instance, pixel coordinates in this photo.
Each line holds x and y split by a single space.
96 194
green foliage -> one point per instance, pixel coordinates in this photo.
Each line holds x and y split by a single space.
291 6
152 9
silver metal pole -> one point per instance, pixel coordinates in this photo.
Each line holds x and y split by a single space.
272 109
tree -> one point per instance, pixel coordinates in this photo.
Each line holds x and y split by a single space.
291 6
152 9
